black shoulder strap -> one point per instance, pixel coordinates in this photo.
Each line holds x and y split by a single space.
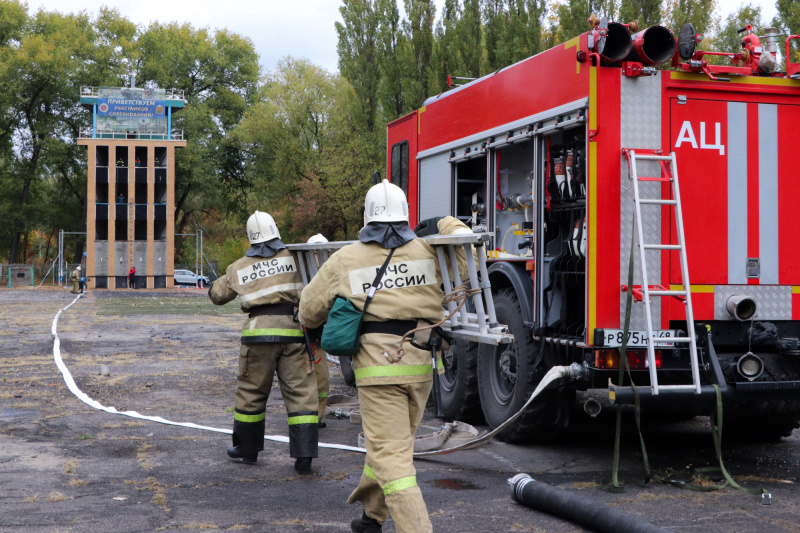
377 280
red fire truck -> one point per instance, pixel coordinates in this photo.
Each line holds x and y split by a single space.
570 161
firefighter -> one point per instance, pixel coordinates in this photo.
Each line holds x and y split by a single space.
321 359
268 285
392 396
76 276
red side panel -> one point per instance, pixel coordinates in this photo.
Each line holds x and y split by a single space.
703 177
539 83
789 193
405 129
607 193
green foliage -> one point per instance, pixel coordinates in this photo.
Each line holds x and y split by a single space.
646 12
728 39
309 158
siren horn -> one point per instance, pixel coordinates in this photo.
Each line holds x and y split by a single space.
652 46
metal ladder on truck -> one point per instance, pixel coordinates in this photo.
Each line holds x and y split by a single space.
477 325
669 174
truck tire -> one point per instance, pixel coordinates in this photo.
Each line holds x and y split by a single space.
460 398
764 419
346 364
508 375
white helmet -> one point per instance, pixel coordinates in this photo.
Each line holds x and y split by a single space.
385 202
261 228
79 268
319 238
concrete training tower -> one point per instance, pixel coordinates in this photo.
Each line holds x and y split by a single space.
130 184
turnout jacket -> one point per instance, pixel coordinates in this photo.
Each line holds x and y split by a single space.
261 281
409 290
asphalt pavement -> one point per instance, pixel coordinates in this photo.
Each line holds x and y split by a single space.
68 467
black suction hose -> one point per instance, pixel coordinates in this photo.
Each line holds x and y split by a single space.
575 508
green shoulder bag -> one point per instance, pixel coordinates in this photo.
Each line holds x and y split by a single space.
342 332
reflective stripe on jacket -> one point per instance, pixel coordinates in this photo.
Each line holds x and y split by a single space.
410 290
261 281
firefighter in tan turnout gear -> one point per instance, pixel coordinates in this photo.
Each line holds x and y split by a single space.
268 285
392 396
76 276
321 369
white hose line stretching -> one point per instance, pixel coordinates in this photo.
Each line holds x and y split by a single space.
553 374
133 414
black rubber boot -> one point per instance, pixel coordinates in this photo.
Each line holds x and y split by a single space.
303 465
248 440
321 424
366 524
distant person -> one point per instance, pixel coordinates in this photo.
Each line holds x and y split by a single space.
76 275
81 281
120 162
132 278
268 284
121 199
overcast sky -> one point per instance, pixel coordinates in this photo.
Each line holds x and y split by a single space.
301 28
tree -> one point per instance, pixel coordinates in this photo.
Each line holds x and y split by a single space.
469 32
728 39
391 40
572 16
698 12
43 63
788 20
219 74
416 54
357 48
646 12
445 58
307 162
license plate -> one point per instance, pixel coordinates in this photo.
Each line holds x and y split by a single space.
637 339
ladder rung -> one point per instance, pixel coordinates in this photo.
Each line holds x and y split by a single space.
676 387
654 179
654 201
644 157
671 339
663 247
667 293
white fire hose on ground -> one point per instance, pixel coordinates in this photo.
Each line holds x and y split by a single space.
573 371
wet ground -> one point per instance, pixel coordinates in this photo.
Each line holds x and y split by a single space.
68 467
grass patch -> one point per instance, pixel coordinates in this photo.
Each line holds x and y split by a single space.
77 483
200 525
56 497
69 467
186 305
32 498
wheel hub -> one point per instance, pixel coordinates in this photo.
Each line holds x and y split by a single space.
508 367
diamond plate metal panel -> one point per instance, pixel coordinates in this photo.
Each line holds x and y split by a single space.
773 302
640 122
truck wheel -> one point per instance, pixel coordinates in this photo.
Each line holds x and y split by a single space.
346 364
764 419
460 398
508 375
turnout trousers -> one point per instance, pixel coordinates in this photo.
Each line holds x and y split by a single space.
323 378
390 415
257 366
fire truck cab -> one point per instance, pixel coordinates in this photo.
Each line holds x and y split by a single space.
539 156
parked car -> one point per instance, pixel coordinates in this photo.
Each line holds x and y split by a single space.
187 277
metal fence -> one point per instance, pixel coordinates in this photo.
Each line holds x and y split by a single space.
47 274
